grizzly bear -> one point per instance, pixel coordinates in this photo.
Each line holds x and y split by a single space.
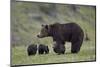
43 49
32 49
70 32
59 48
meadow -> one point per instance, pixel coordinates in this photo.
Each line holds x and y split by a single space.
26 20
20 56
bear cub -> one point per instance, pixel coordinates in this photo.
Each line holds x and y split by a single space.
43 49
32 49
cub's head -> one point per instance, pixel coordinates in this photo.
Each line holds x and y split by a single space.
44 31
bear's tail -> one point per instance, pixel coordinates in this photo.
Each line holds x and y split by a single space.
86 37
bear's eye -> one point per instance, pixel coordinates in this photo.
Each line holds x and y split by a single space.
44 31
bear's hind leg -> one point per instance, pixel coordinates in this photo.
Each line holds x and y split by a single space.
41 51
75 47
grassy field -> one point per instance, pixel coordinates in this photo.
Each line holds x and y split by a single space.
26 20
20 56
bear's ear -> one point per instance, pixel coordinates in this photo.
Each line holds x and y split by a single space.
46 26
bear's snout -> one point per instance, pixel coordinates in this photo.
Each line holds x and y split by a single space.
39 36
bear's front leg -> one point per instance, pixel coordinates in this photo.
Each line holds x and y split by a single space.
59 48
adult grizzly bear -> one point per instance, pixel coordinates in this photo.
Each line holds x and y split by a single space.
61 33
32 49
43 49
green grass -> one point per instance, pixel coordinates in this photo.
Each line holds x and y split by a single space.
20 57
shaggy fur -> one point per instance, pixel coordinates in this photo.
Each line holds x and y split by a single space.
70 32
32 49
42 49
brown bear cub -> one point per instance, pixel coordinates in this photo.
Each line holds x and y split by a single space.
32 49
70 32
43 49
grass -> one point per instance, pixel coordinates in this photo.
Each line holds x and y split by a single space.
20 57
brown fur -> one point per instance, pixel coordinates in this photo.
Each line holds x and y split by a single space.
70 32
